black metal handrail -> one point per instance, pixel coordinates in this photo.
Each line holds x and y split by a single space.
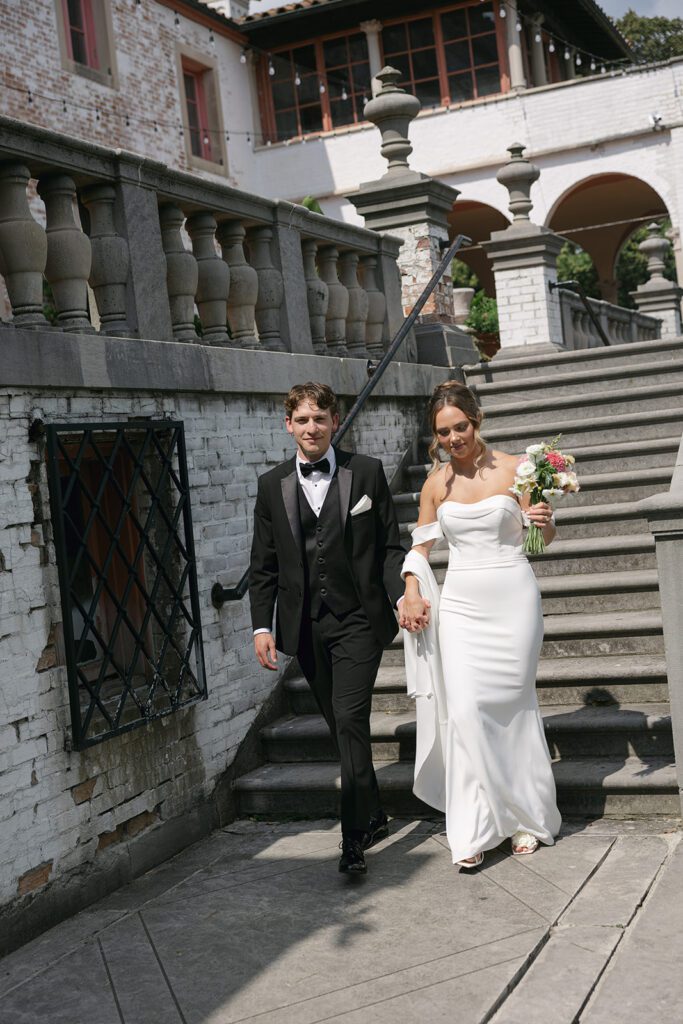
574 286
221 594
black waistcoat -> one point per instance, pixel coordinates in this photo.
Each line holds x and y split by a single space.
328 577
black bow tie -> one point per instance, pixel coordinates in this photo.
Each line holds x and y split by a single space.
307 467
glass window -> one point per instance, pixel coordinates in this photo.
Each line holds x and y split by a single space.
421 33
488 81
461 88
457 56
454 24
394 39
485 49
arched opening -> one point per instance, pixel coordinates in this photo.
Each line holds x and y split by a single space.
477 221
599 214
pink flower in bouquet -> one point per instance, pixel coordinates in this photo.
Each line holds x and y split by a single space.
557 461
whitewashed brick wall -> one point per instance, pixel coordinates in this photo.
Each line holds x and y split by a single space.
529 313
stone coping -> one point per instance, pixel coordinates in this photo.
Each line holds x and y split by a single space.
55 360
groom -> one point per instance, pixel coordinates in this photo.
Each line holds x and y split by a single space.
326 547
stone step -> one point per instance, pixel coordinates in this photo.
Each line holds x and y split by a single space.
571 730
579 429
522 368
592 680
600 592
618 787
582 382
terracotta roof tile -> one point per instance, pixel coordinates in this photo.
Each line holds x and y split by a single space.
272 12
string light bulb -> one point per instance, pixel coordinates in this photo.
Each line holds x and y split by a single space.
518 26
537 37
297 78
567 54
271 67
502 13
551 46
593 64
344 94
579 62
243 57
321 88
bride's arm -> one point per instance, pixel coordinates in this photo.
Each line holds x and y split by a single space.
414 610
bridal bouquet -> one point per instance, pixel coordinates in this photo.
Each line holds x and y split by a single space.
544 473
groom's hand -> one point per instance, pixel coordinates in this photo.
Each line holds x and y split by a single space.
264 645
414 613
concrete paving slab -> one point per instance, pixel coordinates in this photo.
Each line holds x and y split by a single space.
534 891
142 992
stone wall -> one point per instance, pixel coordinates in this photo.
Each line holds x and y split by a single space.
76 824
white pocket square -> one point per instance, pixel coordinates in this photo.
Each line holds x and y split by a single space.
364 505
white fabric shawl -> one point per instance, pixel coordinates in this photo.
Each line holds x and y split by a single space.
425 680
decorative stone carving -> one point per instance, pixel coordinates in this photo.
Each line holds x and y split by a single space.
655 247
213 279
243 285
659 297
110 260
392 110
357 316
518 175
182 274
462 300
270 289
338 304
69 255
377 307
23 248
317 295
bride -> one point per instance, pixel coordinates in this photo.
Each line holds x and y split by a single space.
472 653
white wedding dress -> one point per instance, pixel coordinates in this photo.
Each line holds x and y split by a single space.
481 752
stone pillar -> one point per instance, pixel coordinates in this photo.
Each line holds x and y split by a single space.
182 274
289 257
69 254
109 272
524 258
317 297
23 248
569 61
514 44
213 280
338 304
243 285
659 297
270 289
538 68
372 31
377 307
357 317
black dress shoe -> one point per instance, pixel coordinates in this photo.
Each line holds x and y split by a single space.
378 829
352 860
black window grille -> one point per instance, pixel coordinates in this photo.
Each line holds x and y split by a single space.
122 526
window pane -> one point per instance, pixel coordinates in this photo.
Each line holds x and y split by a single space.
361 77
485 49
311 119
283 67
461 88
342 112
394 39
309 90
304 58
358 46
488 81
336 86
334 52
286 124
454 24
457 56
428 93
482 18
421 33
283 95
190 89
402 64
424 64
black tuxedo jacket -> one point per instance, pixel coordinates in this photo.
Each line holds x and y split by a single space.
371 543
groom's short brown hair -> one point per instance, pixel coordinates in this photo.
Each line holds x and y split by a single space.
321 395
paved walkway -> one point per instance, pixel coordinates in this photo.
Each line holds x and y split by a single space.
255 924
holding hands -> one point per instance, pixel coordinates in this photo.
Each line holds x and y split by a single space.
414 612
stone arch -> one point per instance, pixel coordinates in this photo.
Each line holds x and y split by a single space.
600 213
477 220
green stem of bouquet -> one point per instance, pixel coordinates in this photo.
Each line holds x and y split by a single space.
534 544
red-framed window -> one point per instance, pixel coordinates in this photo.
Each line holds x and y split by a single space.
315 87
449 56
80 32
199 129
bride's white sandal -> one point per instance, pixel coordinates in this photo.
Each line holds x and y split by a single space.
475 862
523 843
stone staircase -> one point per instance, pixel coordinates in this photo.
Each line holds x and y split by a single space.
602 676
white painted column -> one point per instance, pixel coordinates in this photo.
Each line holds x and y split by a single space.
372 30
538 68
515 61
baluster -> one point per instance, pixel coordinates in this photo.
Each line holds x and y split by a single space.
69 255
182 274
270 289
243 285
338 304
317 295
357 317
110 260
377 307
23 248
213 279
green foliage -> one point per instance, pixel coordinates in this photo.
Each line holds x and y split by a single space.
483 314
652 39
49 310
632 264
312 204
463 276
574 264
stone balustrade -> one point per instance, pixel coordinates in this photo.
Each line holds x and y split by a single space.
130 248
621 325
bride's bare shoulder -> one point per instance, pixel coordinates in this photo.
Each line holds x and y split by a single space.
504 460
433 485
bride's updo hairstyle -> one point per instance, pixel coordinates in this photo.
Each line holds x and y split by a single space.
458 395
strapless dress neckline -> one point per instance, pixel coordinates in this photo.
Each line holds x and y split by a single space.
473 504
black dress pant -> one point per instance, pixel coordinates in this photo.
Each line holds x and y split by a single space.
339 658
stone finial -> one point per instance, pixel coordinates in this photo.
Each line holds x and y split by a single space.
392 110
655 247
518 175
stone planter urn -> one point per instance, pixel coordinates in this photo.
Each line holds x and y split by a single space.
462 300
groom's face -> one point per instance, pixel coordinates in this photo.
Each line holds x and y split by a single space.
312 429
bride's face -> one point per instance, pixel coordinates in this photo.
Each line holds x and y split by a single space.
455 433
